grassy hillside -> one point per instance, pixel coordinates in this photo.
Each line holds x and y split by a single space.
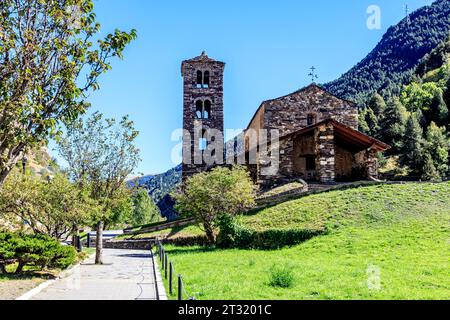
383 242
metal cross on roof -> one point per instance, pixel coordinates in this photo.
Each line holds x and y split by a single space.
313 74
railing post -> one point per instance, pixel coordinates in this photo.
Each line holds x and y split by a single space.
180 288
162 258
166 265
171 278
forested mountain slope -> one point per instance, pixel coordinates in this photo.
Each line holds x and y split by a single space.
396 56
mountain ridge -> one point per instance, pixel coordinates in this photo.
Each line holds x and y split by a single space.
394 59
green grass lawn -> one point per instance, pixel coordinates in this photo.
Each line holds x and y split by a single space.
383 242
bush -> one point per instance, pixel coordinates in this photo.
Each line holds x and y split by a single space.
281 277
233 235
36 251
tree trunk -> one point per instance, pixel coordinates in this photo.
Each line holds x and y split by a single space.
3 175
2 269
99 244
20 267
210 234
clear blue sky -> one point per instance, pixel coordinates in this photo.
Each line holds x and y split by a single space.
268 47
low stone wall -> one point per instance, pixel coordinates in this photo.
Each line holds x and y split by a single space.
144 244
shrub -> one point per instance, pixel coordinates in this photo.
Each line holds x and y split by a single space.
36 251
281 277
233 234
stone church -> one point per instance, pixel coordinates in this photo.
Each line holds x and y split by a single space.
318 132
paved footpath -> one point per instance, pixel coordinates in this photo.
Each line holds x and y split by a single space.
126 275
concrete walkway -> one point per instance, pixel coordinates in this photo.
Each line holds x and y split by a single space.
126 275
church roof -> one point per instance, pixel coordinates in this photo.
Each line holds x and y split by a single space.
309 87
345 133
312 86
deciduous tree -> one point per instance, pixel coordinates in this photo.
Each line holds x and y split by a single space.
209 196
48 65
102 153
54 207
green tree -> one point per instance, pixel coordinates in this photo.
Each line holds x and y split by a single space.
144 209
378 105
102 154
412 153
49 64
363 126
438 110
372 122
211 196
392 127
429 170
419 96
55 207
438 148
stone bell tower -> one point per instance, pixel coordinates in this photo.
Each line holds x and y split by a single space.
202 108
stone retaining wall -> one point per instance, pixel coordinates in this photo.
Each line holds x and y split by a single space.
145 244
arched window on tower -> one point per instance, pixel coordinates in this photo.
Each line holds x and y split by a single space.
199 109
311 119
207 110
206 79
203 109
199 79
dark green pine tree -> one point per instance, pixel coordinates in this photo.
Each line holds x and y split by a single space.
363 126
372 122
429 170
439 110
412 153
378 105
392 126
438 147
421 118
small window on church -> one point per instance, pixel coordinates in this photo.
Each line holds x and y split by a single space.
199 109
207 110
311 119
206 79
